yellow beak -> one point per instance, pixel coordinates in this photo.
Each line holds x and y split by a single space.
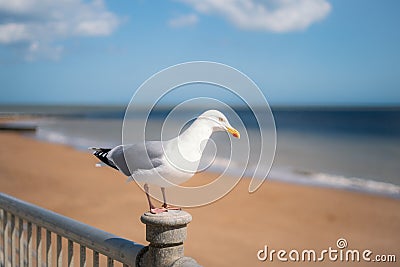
233 131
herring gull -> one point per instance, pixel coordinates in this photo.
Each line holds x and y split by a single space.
166 163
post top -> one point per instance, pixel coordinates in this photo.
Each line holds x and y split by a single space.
170 218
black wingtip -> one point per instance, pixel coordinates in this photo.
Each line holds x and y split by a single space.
101 154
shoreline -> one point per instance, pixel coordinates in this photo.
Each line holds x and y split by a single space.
228 232
280 173
324 180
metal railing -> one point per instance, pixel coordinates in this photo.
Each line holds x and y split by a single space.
33 236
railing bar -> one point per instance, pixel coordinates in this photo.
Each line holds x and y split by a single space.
49 258
59 251
39 245
13 241
118 248
110 262
70 253
95 258
82 256
21 241
30 244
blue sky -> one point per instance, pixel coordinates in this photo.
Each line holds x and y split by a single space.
299 52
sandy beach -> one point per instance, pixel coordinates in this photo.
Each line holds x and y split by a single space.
228 232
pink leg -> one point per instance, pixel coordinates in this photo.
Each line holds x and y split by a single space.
153 209
165 205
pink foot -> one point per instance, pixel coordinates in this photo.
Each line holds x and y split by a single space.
171 208
158 210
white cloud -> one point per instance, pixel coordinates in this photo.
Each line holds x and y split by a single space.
13 32
183 21
266 15
38 25
43 50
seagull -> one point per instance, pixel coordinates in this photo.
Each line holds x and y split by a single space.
166 163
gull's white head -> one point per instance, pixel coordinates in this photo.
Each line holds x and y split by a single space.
218 122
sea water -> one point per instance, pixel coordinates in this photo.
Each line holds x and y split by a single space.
351 148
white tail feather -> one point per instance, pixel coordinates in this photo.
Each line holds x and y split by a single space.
100 164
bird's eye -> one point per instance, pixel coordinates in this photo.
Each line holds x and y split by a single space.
220 119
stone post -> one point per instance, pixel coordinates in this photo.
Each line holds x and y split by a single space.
166 232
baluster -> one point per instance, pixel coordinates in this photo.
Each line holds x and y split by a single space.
82 256
49 256
13 241
21 241
6 228
39 246
30 244
95 259
70 253
2 237
110 262
59 251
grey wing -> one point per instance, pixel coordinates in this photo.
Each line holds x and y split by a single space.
139 156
